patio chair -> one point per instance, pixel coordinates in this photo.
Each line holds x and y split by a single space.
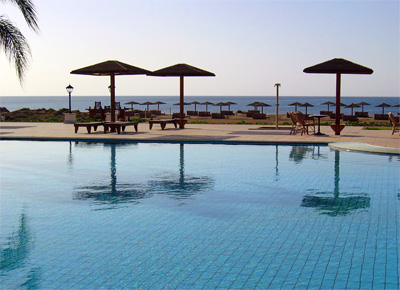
294 128
98 111
395 122
305 123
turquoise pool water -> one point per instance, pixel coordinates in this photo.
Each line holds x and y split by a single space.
78 215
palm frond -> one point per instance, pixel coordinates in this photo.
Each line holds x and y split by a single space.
28 10
15 46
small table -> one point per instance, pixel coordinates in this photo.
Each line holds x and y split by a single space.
118 125
319 123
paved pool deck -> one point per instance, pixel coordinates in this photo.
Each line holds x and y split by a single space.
351 138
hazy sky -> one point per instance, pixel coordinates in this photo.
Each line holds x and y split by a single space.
249 45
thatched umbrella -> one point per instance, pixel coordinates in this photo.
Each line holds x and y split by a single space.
328 103
338 66
195 103
220 104
383 106
229 104
255 105
158 103
262 105
111 68
306 105
207 103
362 104
148 105
295 104
352 106
132 103
181 70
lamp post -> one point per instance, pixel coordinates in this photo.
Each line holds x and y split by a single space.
277 85
69 89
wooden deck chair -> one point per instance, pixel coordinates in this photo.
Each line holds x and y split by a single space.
305 123
294 128
395 122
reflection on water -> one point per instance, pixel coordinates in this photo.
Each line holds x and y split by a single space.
336 203
17 248
15 254
300 152
178 186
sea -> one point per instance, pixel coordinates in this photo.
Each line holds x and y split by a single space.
82 103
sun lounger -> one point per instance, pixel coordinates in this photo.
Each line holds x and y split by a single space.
259 116
163 123
350 118
381 117
204 114
88 126
112 126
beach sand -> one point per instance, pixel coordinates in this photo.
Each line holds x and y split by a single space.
50 115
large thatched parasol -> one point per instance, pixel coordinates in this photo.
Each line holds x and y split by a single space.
383 106
158 103
132 103
295 104
352 106
362 104
111 68
338 66
328 103
306 105
207 103
181 70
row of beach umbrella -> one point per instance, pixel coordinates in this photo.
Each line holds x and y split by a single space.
195 103
262 105
352 105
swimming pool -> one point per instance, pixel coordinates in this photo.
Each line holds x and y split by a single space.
78 215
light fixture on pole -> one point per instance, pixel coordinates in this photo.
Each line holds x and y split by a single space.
69 89
277 85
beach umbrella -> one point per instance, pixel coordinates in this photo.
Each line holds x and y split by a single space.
306 105
262 105
220 104
111 68
148 105
362 104
352 106
295 104
229 104
195 103
383 106
338 66
181 70
158 103
132 103
398 105
328 103
207 103
255 105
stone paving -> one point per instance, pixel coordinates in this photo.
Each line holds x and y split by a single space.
203 133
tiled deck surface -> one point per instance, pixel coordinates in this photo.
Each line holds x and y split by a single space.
201 133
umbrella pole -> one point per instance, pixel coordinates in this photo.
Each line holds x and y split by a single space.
337 122
277 105
181 125
112 77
